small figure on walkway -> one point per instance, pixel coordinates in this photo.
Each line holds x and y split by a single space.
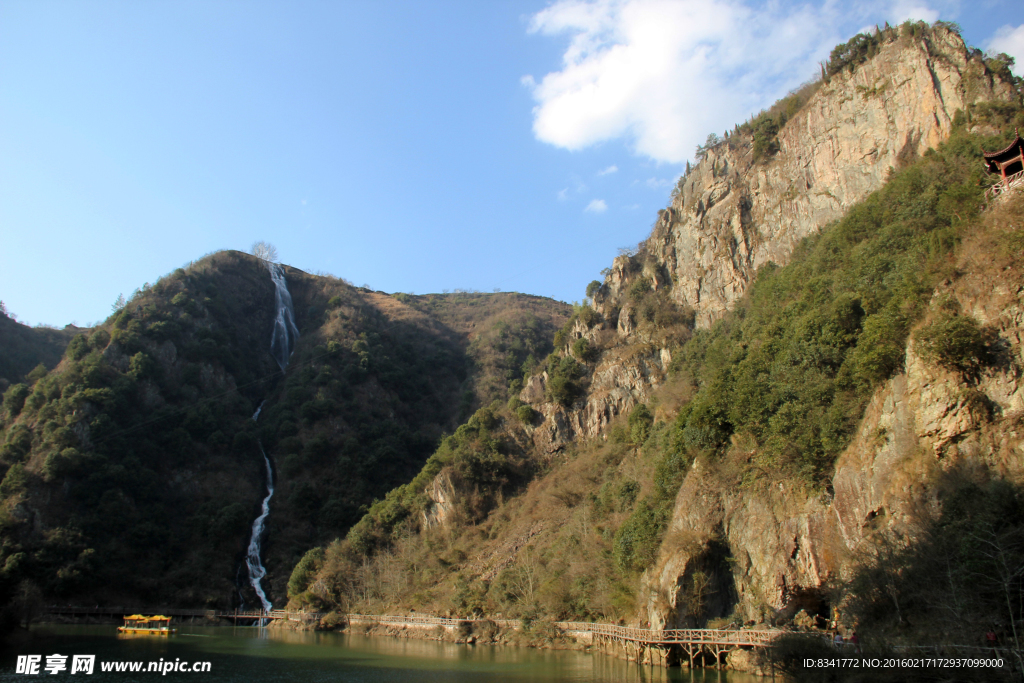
838 640
992 640
855 641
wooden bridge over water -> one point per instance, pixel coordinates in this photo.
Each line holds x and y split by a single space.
639 643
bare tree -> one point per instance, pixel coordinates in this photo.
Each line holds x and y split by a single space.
696 595
264 251
1003 555
524 579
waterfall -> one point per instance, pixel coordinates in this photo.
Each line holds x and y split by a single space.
282 343
252 558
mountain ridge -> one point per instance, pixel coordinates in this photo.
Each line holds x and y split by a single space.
144 429
681 457
758 395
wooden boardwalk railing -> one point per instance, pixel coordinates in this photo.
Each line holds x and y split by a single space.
693 636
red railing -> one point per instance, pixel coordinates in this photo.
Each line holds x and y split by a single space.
1015 180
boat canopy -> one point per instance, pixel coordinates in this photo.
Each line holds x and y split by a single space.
139 617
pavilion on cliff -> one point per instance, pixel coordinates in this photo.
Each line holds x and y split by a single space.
1008 163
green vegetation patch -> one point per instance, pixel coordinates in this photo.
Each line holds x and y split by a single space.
793 366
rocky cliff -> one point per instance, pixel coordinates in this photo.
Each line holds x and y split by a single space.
731 215
925 431
771 548
776 447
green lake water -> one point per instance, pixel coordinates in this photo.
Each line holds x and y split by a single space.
247 654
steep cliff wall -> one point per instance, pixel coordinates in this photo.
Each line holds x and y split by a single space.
787 543
714 500
731 215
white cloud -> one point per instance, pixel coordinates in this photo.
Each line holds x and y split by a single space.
658 183
1011 41
611 169
596 206
563 194
664 73
903 10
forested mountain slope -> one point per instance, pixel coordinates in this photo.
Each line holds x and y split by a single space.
132 470
786 379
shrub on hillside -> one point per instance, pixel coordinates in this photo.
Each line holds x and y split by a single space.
99 339
526 414
304 571
14 399
18 445
588 315
637 540
639 287
583 351
640 421
78 347
562 384
953 341
14 481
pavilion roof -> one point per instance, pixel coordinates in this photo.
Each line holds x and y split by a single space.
1006 150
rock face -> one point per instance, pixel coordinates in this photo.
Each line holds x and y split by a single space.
769 549
920 427
731 215
443 499
616 384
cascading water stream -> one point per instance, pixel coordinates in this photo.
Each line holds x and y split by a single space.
282 343
252 558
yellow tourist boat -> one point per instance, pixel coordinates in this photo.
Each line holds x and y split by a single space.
137 624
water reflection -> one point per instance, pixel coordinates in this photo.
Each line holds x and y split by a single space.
251 654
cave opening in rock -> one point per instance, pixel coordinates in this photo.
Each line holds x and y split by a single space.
706 592
808 608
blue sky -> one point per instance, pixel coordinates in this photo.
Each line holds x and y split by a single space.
410 146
